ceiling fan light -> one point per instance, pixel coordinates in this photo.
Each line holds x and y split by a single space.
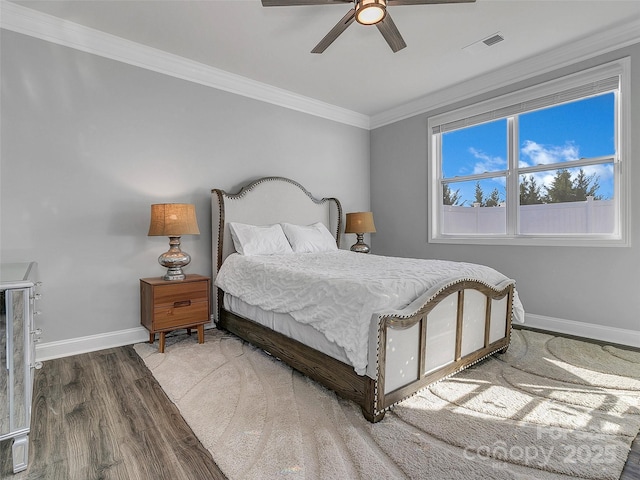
370 12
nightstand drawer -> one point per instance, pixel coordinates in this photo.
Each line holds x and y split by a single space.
178 295
180 313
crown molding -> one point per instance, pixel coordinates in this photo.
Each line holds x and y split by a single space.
36 24
605 41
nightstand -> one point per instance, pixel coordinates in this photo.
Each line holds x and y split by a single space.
172 305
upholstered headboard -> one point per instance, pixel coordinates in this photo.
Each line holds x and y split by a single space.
267 201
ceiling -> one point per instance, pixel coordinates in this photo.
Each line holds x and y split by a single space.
358 72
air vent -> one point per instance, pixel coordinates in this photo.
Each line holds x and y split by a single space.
485 43
492 40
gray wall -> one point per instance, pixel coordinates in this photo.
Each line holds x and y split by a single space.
88 144
591 285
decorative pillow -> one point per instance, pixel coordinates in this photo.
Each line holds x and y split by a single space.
259 240
310 238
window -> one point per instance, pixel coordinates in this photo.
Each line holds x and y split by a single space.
541 166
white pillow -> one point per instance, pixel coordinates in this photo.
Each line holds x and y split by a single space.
309 239
259 240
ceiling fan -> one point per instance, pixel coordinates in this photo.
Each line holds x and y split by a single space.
365 12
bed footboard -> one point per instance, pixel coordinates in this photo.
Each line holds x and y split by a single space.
462 324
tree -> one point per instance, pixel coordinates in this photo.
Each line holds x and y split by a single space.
479 195
586 186
564 189
530 191
449 197
492 200
561 188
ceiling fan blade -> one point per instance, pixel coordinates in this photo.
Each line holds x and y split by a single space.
335 32
391 34
425 2
289 3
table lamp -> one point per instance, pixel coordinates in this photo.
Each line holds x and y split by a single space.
360 223
173 220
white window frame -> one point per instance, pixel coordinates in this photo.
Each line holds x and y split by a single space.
620 68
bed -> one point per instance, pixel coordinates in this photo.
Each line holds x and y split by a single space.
457 320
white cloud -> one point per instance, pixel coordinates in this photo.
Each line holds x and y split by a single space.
533 153
487 163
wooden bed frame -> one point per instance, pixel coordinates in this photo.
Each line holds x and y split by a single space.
480 313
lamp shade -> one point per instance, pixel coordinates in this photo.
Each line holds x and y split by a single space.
173 220
360 222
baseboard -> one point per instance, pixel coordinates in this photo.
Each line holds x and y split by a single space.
620 336
91 343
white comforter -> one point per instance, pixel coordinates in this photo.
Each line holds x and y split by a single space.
338 292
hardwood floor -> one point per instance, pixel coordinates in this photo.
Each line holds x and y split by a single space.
102 415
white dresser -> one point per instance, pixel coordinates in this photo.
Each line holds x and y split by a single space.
18 296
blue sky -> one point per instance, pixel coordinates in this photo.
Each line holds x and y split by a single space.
581 129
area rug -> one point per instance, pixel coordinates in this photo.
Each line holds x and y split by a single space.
549 408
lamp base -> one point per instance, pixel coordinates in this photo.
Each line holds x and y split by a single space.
174 259
174 274
360 246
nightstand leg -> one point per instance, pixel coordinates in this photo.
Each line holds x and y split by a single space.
152 337
161 347
188 331
200 333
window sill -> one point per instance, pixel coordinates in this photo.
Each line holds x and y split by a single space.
529 240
